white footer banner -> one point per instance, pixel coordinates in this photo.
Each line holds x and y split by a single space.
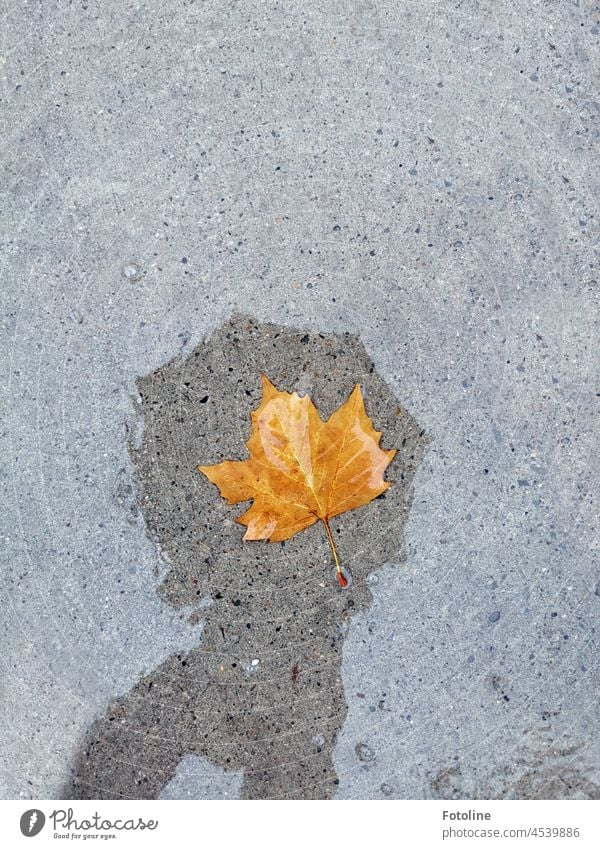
267 824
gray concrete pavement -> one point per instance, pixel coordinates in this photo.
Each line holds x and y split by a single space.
422 175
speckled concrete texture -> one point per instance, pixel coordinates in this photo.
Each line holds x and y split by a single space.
422 175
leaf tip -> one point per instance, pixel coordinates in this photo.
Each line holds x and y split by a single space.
269 390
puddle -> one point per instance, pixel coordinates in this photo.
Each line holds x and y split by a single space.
265 681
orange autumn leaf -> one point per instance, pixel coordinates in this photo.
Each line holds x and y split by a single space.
302 469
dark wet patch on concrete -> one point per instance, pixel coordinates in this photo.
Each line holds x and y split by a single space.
263 691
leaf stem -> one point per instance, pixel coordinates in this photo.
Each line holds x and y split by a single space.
343 576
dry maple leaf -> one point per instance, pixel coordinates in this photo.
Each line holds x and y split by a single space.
301 468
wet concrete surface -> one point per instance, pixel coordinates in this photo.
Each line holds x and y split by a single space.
422 176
